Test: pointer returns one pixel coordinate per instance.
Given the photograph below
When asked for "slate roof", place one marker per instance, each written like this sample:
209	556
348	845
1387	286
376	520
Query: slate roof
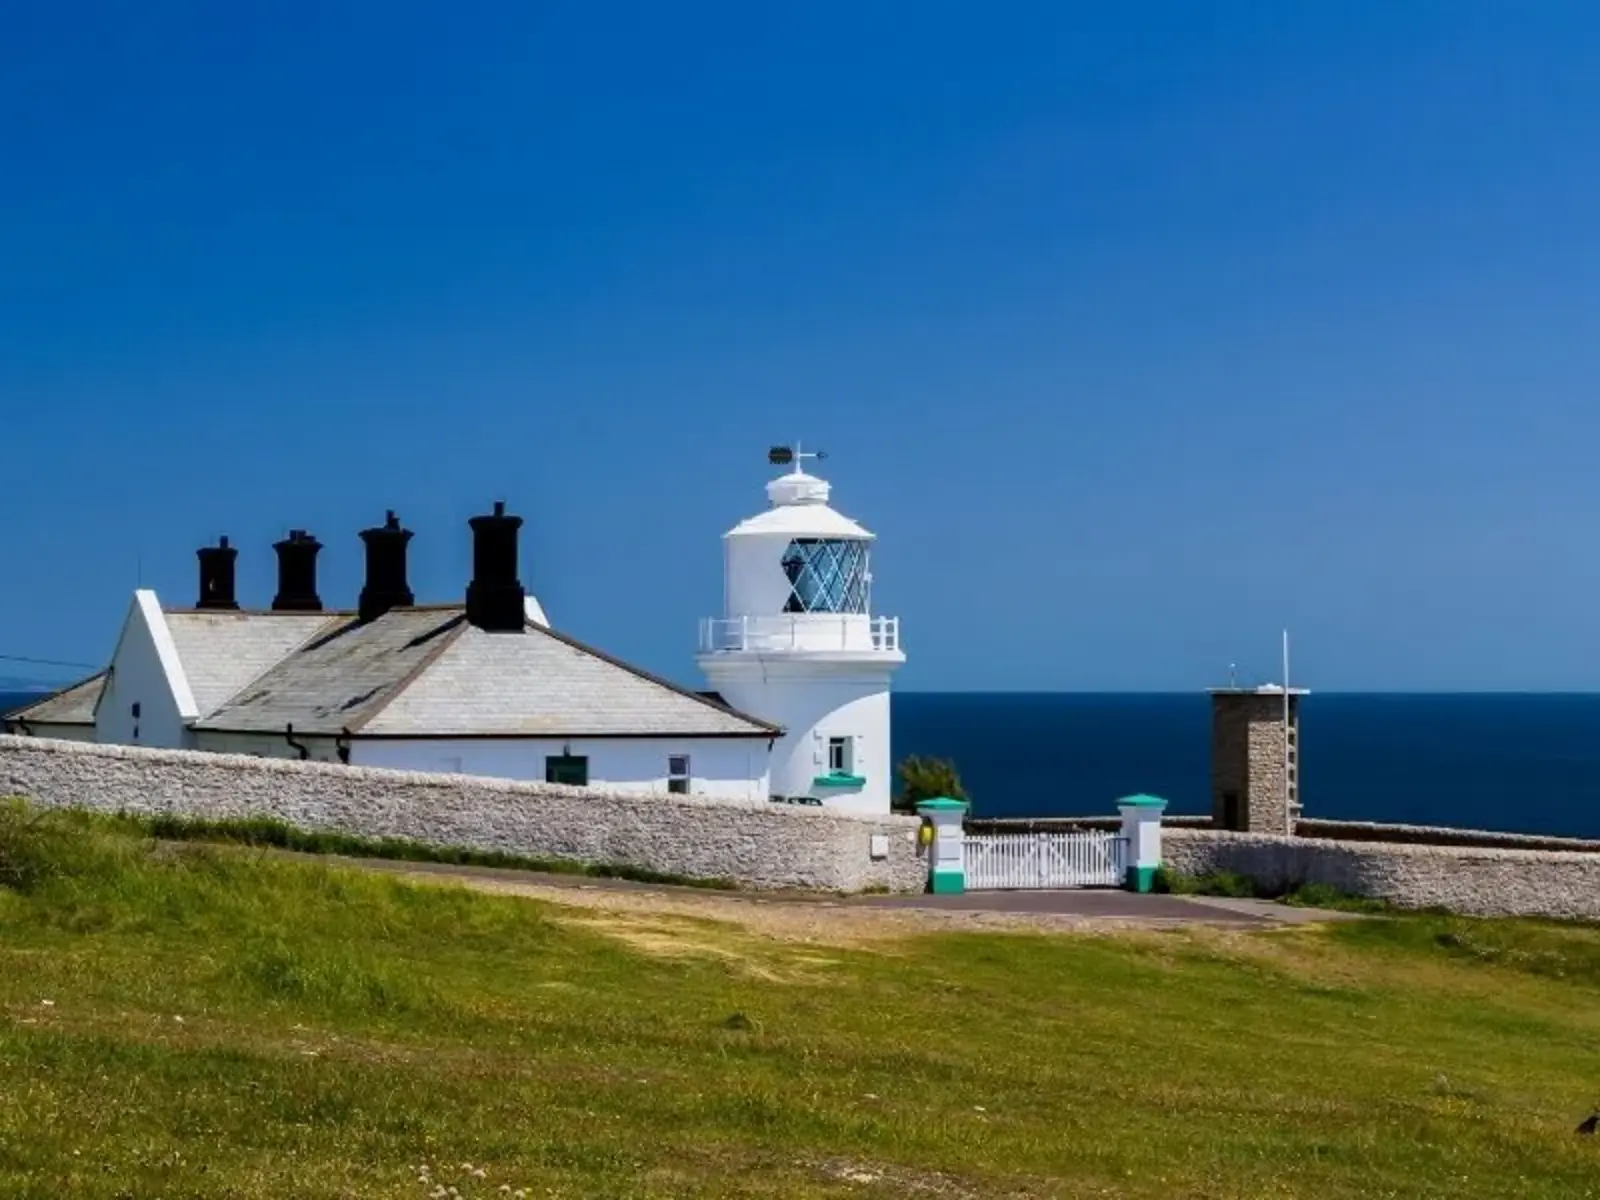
338	680
223	651
425	672
540	684
72	705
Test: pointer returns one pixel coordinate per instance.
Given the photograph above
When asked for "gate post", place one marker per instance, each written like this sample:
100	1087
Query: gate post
1141	826
947	874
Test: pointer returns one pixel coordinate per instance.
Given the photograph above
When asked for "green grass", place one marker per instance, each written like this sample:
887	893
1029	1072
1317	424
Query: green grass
228	1024
279	835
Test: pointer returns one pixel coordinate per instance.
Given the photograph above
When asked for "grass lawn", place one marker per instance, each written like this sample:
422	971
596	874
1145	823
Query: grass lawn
188	1021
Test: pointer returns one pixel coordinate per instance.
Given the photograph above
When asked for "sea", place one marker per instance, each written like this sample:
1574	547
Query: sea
1525	763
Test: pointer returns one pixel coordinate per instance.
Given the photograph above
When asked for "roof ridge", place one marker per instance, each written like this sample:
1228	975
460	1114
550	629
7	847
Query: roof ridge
444	639
651	677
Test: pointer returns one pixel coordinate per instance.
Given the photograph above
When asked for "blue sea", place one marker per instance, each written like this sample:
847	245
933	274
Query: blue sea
1524	763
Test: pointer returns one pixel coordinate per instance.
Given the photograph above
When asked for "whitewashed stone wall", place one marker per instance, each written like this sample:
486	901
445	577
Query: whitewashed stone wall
1473	880
1439	835
757	844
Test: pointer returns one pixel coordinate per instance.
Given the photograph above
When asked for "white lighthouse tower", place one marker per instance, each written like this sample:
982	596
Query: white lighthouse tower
797	643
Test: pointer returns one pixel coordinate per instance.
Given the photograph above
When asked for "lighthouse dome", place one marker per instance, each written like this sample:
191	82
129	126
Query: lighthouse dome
797	488
799	508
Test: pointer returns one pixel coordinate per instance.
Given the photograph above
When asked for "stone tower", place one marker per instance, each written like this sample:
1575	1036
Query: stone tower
1255	758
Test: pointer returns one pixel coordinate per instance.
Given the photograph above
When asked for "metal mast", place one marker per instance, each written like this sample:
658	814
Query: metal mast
1290	783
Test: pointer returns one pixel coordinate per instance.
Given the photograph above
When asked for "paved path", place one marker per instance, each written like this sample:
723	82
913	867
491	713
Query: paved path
1111	904
1081	904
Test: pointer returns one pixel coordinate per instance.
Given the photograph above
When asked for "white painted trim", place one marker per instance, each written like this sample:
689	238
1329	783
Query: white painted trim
167	651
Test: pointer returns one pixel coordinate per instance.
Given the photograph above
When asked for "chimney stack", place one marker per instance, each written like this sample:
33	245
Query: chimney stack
297	573
216	576
386	585
496	602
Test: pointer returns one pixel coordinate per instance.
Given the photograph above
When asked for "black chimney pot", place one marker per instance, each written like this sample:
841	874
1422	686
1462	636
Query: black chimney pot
216	576
297	573
386	585
495	598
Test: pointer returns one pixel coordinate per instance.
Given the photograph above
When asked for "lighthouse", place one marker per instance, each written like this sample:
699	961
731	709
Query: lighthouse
798	645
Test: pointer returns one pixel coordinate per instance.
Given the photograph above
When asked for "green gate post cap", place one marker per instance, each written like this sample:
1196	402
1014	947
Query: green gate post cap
1142	801
942	804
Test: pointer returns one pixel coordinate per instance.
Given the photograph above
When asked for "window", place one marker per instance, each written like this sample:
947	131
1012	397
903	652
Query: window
827	575
839	756
571	769
678	773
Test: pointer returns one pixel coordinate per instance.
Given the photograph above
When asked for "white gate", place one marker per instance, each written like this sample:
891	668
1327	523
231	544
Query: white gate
1088	858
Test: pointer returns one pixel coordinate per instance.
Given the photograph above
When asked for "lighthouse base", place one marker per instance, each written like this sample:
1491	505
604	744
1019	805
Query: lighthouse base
835	748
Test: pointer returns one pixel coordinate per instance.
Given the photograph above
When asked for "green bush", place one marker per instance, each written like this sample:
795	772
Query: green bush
1219	883
927	779
1320	895
1240	887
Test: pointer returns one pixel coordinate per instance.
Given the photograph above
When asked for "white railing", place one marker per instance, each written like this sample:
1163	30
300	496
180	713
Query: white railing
1090	858
851	632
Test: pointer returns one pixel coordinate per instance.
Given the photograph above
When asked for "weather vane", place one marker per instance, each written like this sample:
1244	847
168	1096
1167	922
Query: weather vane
782	456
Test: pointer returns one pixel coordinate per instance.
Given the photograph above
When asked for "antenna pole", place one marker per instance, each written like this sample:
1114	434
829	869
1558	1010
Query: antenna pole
1288	749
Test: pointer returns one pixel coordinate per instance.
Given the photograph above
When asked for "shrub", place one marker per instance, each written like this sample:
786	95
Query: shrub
927	779
1219	883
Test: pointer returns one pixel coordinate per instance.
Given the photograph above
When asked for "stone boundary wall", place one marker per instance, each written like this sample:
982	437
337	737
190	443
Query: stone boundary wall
1069	824
1438	835
1313	827
1473	880
758	845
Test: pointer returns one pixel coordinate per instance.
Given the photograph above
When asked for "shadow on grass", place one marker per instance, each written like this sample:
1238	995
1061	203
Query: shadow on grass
274	834
1565	950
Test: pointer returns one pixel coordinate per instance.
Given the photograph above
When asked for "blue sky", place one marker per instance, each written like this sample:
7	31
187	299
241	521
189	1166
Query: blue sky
1136	332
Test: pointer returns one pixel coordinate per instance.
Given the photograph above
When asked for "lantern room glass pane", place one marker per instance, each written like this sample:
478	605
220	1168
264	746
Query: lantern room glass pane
826	575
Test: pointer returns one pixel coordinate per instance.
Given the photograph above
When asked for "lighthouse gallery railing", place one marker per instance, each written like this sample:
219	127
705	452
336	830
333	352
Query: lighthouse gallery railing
849	632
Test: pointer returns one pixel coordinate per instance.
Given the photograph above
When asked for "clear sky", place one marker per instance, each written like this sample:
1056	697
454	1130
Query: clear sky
1136	331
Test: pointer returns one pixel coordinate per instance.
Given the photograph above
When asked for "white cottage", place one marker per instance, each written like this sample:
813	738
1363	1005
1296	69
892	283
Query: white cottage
483	687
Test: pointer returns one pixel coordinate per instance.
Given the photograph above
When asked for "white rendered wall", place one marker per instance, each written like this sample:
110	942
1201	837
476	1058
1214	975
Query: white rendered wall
47	729
265	745
142	672
728	768
814	702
